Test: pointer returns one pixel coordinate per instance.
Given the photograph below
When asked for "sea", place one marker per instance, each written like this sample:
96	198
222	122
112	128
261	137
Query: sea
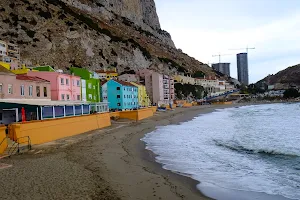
244	153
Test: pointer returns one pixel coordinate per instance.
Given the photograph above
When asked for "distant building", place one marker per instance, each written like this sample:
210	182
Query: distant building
143	97
9	52
222	67
181	78
64	87
90	85
22	86
107	74
242	67
129	78
160	88
120	95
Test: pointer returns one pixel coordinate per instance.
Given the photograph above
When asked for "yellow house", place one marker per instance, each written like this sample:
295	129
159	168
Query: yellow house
22	70
6	65
107	74
184	79
143	97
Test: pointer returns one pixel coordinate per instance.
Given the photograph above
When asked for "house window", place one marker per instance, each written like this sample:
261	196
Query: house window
78	97
68	97
0	87
45	91
78	83
95	97
38	93
124	96
10	89
22	90
30	90
119	104
118	88
124	89
67	81
73	81
90	86
90	96
62	96
62	81
94	87
118	96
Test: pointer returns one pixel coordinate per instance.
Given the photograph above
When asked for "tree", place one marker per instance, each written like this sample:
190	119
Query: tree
291	93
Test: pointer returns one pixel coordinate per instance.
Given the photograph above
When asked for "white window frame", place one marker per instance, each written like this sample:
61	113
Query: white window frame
1	87
67	81
68	97
78	83
30	91
10	89
22	90
62	81
63	96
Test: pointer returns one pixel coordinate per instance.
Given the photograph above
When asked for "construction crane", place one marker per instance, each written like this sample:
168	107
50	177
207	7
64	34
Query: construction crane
219	55
247	49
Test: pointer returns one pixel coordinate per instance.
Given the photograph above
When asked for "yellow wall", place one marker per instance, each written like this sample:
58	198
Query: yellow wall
187	105
145	113
223	103
154	109
22	71
137	114
3	141
143	97
53	129
114	114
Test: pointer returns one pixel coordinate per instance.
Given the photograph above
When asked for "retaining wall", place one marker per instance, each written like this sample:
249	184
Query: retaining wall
53	129
3	140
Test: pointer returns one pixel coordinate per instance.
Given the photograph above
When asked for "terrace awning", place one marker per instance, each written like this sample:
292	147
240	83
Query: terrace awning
40	102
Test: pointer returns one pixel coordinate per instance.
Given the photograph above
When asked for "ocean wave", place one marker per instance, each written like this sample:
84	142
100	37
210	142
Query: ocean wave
239	148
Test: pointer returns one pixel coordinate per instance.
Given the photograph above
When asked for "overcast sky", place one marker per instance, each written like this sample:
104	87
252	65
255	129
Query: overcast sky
202	28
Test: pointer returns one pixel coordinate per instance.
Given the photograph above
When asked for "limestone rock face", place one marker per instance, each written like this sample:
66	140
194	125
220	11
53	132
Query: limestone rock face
93	34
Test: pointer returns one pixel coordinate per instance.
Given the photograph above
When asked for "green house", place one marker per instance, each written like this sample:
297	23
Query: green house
46	68
90	85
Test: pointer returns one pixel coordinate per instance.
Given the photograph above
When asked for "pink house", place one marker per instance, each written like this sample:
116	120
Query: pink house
159	87
22	86
64	87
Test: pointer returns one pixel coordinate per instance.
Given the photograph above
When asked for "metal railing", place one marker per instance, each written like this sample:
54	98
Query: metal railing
16	145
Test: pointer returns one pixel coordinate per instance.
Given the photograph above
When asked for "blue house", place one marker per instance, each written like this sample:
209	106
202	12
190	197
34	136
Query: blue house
120	95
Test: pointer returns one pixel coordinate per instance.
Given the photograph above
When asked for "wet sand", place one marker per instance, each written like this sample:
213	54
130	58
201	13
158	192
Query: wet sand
109	164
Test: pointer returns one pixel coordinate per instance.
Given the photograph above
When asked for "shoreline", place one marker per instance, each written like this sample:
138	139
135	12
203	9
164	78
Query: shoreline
110	163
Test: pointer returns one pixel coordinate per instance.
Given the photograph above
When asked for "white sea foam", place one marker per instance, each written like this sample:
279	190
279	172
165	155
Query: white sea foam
252	148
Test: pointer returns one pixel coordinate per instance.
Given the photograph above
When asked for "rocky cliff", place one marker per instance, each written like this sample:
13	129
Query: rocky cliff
284	79
93	34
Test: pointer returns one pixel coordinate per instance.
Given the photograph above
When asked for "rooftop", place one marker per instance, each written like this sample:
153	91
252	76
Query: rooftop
6	71
30	78
103	71
124	83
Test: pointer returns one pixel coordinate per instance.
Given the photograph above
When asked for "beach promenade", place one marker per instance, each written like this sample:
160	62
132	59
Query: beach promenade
110	164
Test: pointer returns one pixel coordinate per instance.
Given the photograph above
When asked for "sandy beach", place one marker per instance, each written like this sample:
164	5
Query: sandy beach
106	164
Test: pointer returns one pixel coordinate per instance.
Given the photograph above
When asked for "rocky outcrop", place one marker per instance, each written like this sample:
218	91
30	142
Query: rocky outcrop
290	77
93	34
